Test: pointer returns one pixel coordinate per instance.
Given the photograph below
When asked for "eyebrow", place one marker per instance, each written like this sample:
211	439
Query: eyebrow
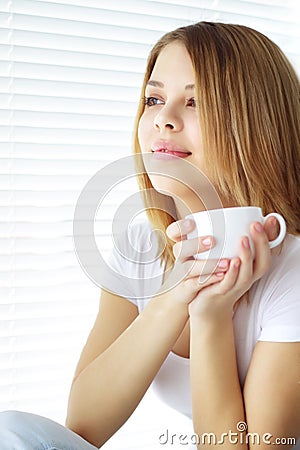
161	85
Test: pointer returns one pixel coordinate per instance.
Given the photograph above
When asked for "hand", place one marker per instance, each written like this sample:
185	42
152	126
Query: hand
218	300
189	276
271	228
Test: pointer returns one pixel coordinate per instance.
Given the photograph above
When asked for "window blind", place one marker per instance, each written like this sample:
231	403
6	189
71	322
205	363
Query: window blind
70	75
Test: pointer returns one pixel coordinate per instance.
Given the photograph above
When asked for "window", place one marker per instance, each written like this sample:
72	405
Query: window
69	83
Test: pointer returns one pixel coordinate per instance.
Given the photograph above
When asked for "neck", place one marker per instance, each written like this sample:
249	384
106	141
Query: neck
194	204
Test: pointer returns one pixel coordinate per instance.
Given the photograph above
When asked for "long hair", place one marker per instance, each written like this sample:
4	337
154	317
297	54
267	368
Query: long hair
248	102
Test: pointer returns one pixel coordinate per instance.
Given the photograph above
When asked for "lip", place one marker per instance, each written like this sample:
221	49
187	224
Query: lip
167	150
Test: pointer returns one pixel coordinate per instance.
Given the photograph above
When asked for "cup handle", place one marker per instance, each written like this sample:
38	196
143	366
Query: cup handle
282	231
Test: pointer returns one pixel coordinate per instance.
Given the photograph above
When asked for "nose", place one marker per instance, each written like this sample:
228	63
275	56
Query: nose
168	118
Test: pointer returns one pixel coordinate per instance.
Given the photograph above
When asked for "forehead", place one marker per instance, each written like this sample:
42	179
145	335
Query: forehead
173	62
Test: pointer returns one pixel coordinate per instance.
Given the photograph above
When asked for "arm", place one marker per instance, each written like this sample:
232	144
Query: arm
125	350
106	391
218	403
269	404
272	394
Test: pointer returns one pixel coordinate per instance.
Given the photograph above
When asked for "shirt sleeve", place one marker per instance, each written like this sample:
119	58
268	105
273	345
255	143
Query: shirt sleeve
281	309
122	268
118	276
134	270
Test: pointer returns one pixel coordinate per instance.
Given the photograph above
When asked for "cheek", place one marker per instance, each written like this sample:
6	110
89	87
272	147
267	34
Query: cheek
194	130
144	129
195	136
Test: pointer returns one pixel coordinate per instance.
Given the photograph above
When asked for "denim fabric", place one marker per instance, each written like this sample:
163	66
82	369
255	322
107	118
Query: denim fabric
24	431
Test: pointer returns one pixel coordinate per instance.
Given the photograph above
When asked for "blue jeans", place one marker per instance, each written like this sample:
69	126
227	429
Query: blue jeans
24	431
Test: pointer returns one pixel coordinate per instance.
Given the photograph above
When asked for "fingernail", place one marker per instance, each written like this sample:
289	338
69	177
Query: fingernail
186	224
237	263
206	241
245	243
258	227
223	263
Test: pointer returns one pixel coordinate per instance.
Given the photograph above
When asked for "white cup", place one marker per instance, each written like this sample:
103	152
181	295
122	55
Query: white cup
227	226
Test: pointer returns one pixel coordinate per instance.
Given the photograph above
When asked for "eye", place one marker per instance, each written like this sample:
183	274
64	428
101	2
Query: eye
152	101
191	102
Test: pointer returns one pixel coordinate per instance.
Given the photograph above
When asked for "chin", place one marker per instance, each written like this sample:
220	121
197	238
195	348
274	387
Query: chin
179	192
168	186
187	198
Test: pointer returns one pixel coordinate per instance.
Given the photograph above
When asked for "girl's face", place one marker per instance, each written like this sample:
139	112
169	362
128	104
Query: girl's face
169	125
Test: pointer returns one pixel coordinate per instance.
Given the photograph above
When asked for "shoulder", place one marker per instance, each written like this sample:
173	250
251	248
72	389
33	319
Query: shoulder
290	253
137	240
285	266
278	295
135	262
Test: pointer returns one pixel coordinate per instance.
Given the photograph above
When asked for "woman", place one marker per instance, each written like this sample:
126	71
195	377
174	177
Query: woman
222	100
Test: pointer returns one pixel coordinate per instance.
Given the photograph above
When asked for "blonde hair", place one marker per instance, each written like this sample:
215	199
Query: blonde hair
249	91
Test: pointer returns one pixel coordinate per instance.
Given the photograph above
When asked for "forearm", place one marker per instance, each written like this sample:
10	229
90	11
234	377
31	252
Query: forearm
216	395
109	389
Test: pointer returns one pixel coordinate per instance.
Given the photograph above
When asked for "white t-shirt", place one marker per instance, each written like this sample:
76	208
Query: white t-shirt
272	313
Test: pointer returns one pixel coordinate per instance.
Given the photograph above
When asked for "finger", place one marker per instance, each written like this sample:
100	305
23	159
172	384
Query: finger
230	277
178	230
195	284
207	280
260	240
272	228
185	249
245	276
199	267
